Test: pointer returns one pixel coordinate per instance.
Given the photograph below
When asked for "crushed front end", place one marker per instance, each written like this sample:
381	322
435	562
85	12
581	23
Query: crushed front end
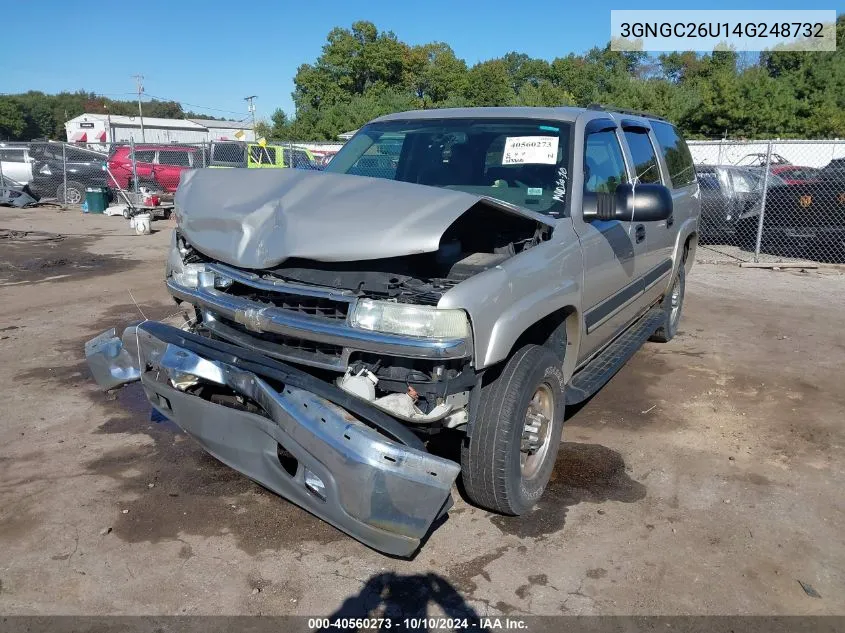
282	382
316	445
317	359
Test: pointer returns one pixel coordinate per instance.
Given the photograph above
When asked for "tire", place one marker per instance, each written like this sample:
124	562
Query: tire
493	473
746	233
672	317
74	194
126	213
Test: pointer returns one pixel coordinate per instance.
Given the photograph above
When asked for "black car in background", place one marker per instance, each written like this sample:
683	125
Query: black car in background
85	168
808	220
731	198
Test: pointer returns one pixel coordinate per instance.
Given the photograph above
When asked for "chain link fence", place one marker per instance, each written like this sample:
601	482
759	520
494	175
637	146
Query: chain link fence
772	201
62	173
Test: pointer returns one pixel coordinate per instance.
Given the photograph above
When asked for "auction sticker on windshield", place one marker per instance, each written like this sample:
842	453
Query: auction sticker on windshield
530	150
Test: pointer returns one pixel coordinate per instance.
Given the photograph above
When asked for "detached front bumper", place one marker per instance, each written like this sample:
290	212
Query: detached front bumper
380	491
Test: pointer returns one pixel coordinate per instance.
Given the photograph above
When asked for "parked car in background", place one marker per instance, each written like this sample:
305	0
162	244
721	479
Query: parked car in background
808	220
258	156
154	164
731	198
795	174
14	194
85	168
299	158
16	163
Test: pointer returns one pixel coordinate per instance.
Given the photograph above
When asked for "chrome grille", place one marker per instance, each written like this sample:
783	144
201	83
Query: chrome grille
322	307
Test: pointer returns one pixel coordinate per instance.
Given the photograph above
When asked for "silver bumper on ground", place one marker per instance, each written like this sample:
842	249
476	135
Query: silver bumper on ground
377	490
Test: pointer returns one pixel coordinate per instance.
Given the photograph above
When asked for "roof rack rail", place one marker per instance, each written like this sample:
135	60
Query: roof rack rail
608	108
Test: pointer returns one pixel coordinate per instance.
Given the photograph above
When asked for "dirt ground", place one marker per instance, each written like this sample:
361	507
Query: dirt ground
706	478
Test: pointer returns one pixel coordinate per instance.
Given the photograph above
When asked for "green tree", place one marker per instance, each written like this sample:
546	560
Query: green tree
12	121
544	94
577	76
488	84
434	74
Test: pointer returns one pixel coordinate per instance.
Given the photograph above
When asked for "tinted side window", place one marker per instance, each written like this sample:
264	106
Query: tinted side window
77	156
645	160
228	153
800	173
145	156
52	151
174	158
12	155
675	153
604	167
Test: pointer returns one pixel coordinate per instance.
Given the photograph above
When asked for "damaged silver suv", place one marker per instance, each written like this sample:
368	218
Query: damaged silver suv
462	272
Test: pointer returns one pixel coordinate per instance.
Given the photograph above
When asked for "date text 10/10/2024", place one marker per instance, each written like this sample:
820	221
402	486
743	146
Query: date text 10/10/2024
423	624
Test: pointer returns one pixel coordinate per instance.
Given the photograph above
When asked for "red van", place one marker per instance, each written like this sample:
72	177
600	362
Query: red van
160	164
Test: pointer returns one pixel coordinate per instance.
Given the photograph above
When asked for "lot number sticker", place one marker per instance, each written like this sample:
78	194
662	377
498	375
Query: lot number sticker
530	150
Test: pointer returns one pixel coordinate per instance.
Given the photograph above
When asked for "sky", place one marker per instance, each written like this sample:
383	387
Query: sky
210	55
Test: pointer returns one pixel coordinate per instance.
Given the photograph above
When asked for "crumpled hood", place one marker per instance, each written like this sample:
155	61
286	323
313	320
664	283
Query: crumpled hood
257	218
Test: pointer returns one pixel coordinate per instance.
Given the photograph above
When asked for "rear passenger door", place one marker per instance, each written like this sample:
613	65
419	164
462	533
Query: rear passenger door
171	164
144	164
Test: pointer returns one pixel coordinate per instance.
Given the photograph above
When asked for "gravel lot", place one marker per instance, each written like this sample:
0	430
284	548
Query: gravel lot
706	478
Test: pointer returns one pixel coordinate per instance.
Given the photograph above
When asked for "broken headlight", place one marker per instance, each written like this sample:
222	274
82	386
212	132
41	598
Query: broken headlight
189	276
411	320
196	275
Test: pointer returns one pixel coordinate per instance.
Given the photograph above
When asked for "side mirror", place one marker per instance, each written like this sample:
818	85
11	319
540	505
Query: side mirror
643	203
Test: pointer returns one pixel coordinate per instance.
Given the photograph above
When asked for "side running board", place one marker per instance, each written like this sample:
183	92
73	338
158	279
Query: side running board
602	368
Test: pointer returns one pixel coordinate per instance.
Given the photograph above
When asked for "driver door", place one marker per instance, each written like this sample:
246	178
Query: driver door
611	295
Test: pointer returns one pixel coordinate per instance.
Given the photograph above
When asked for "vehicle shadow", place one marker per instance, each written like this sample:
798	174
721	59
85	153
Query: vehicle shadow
583	473
405	600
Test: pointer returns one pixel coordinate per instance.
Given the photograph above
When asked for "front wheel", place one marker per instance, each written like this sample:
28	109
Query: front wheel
508	458
74	193
672	305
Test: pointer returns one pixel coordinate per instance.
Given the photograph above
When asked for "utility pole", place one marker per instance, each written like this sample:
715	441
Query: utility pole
139	82
251	108
108	117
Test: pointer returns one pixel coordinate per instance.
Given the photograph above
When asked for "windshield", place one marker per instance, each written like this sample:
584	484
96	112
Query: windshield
520	161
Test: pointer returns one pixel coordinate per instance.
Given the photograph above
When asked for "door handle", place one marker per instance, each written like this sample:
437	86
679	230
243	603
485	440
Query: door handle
639	232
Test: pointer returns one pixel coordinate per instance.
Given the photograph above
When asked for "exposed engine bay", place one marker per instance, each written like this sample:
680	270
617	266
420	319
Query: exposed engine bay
480	239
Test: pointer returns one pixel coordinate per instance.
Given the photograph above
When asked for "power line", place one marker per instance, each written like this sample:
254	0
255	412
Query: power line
194	105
